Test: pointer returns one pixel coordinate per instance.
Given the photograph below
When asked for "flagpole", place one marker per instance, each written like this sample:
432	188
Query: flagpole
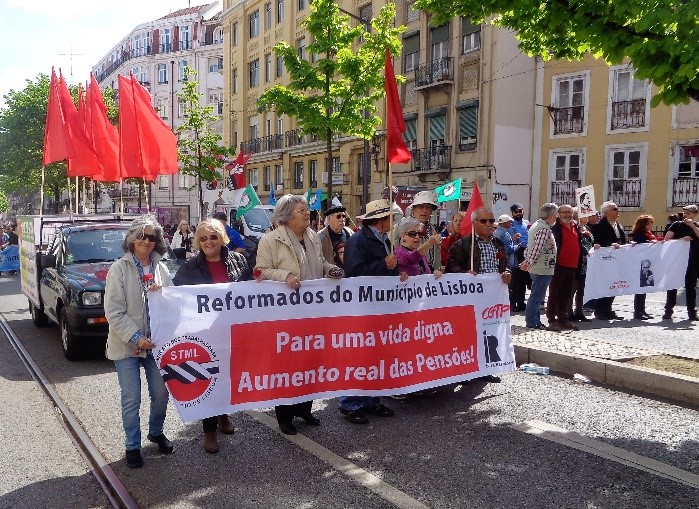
473	247
70	198
41	193
77	193
145	189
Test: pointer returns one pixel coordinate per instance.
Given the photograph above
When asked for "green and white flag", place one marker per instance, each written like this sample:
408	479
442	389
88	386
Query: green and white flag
450	191
248	201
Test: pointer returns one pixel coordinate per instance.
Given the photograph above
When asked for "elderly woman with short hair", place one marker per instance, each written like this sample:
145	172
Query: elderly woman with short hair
412	251
292	253
214	263
129	280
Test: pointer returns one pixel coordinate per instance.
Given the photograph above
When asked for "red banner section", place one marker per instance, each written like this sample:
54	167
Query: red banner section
295	358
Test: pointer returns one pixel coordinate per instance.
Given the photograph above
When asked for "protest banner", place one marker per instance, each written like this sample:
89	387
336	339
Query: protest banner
230	347
9	258
636	268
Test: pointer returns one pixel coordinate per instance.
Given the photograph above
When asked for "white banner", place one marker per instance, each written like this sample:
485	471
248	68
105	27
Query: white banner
230	347
639	268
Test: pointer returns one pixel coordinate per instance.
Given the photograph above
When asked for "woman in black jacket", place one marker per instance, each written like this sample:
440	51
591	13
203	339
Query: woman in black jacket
213	264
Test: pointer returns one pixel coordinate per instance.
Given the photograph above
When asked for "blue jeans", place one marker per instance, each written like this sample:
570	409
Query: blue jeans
353	403
129	376
539	286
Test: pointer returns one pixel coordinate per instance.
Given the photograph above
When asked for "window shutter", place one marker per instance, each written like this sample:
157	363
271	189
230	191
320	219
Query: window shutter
437	127
440	34
467	27
468	122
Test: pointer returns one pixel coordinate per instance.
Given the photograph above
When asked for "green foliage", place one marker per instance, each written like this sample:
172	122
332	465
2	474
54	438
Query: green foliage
661	37
4	203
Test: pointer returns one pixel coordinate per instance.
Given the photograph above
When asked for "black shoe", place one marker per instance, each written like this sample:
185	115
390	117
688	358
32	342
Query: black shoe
311	419
381	411
538	326
614	316
164	445
640	316
355	417
288	429
692	316
491	379
667	315
647	316
134	458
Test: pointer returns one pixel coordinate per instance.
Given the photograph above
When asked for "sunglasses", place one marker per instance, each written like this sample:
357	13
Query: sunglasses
483	221
413	235
210	237
340	216
148	237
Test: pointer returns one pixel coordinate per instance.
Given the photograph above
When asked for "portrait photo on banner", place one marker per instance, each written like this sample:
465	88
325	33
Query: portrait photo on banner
585	201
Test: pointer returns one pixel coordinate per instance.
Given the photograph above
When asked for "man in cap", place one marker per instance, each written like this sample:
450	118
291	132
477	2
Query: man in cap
424	204
502	233
335	231
519	231
368	253
686	229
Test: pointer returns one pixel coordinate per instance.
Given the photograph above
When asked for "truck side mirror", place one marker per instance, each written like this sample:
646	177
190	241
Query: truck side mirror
47	260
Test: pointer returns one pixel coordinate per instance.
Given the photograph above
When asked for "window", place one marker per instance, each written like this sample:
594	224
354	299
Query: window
165	41
411	51
183	180
278	174
216	100
413	14
181	108
280	125
301	48
215	64
163	181
365	15
280	67
267	176
181	74
253	177
139	46
337	167
626	164
234	81
626	169
254	129
566	169
470	36
302	4
410	134
280	11
184	37
468	125
313	170
268	67
298	175
255	73
268	15
218	36
234	31
688	161
440	42
569	105
628	102
437	126
254	24
161	106
162	73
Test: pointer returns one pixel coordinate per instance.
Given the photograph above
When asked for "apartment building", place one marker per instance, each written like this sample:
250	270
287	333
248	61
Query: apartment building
598	129
157	53
468	105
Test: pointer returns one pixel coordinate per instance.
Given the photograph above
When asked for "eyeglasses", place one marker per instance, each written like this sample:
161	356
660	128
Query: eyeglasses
490	220
340	216
210	237
148	237
413	235
301	211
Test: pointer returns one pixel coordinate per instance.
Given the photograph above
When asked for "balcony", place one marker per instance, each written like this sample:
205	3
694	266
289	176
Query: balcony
185	45
685	191
165	47
435	159
563	191
628	114
294	138
435	73
625	193
568	120
265	144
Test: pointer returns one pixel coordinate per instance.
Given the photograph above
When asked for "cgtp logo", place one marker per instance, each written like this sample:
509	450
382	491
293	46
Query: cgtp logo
189	368
496	311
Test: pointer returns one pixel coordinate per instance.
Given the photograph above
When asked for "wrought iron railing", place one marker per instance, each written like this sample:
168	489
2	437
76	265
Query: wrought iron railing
435	72
568	120
625	193
432	159
563	191
628	114
685	191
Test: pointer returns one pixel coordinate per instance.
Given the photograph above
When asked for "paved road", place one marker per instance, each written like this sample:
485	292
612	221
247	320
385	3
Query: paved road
455	449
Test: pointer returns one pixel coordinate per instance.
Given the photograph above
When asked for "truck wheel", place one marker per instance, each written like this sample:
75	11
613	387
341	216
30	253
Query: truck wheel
39	318
68	340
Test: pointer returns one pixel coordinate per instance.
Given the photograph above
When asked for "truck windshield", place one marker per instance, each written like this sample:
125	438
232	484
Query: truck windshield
259	220
96	245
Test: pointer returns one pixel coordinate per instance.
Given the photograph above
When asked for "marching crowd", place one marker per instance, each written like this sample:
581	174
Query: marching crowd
546	256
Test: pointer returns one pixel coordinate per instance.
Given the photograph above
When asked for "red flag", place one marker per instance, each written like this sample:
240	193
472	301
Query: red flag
104	135
395	125
236	171
148	146
84	162
57	145
475	203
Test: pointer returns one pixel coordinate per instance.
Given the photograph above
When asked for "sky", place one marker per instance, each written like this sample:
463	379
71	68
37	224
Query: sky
40	34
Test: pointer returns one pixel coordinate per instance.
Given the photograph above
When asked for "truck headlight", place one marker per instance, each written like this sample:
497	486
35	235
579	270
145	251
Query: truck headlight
92	298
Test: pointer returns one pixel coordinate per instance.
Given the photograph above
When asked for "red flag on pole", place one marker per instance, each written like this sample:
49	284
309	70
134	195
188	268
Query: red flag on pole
104	135
475	203
57	145
236	171
395	125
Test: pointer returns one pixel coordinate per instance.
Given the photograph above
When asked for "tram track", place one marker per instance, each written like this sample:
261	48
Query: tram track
111	485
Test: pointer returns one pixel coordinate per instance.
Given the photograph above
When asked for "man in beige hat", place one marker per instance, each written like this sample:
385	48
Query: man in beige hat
368	253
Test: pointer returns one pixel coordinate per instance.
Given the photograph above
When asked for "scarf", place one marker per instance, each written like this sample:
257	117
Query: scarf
309	258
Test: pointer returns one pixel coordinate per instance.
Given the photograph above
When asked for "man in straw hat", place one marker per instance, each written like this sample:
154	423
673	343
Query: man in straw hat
368	253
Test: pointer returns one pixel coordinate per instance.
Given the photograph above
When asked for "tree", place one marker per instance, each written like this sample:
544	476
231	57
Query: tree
660	37
199	145
4	203
338	91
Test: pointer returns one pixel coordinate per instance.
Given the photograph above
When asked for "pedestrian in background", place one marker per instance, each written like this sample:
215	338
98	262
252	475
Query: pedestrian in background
502	232
214	263
236	243
182	240
642	233
454	235
129	345
292	253
521	280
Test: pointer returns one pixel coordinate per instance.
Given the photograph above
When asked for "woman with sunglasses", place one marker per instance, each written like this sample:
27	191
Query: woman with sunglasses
128	282
413	248
214	263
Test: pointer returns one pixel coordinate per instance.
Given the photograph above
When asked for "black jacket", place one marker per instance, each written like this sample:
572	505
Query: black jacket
365	255
195	272
604	233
